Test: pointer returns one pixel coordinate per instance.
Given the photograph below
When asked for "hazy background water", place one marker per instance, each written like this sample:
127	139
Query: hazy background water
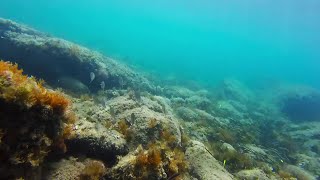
203	40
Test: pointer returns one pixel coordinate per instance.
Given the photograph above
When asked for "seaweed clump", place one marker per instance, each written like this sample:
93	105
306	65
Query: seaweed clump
33	122
159	158
233	160
124	128
93	170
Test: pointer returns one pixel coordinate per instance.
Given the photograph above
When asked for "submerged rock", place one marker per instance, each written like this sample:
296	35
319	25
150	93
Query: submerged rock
64	169
34	121
253	174
231	89
72	85
298	172
106	146
199	102
187	114
178	91
228	148
74	168
300	104
203	165
92	137
48	58
144	120
226	109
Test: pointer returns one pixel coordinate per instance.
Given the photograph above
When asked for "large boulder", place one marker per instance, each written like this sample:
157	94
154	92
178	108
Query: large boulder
145	119
203	165
91	135
51	58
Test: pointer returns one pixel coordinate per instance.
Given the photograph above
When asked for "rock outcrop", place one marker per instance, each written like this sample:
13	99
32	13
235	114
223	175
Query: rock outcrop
203	165
51	58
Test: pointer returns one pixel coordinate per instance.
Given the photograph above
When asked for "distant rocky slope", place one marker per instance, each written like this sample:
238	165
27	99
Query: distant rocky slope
127	129
62	63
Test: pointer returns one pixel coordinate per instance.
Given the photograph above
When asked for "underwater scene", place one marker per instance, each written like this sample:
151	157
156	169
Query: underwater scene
160	90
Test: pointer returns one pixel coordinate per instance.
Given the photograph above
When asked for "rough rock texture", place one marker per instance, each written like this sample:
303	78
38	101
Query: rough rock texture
231	89
50	58
309	163
92	138
298	172
123	168
34	121
145	117
187	114
178	91
253	174
307	134
225	108
203	164
105	145
74	169
64	169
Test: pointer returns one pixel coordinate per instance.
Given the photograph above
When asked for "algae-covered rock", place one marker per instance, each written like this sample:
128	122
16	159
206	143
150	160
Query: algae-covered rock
178	91
253	174
158	161
33	122
203	165
226	109
92	135
145	120
74	168
105	146
298	172
64	169
50	58
187	114
228	148
309	163
72	85
198	102
231	89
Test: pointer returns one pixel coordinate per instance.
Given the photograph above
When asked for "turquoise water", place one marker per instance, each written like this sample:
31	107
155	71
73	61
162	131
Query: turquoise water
198	40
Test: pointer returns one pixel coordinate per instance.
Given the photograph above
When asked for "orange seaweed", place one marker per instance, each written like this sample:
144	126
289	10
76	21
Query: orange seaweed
38	114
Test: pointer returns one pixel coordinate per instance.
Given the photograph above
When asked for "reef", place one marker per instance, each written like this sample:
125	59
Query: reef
130	128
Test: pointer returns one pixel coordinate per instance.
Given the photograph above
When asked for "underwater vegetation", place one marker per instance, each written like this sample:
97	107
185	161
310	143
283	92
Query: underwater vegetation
156	156
124	129
52	58
232	159
131	128
33	122
93	170
160	159
75	168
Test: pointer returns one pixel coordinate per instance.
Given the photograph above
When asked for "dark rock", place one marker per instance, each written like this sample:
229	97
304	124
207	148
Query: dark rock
97	148
301	105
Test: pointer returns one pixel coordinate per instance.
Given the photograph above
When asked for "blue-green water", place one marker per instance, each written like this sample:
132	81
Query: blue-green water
203	40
